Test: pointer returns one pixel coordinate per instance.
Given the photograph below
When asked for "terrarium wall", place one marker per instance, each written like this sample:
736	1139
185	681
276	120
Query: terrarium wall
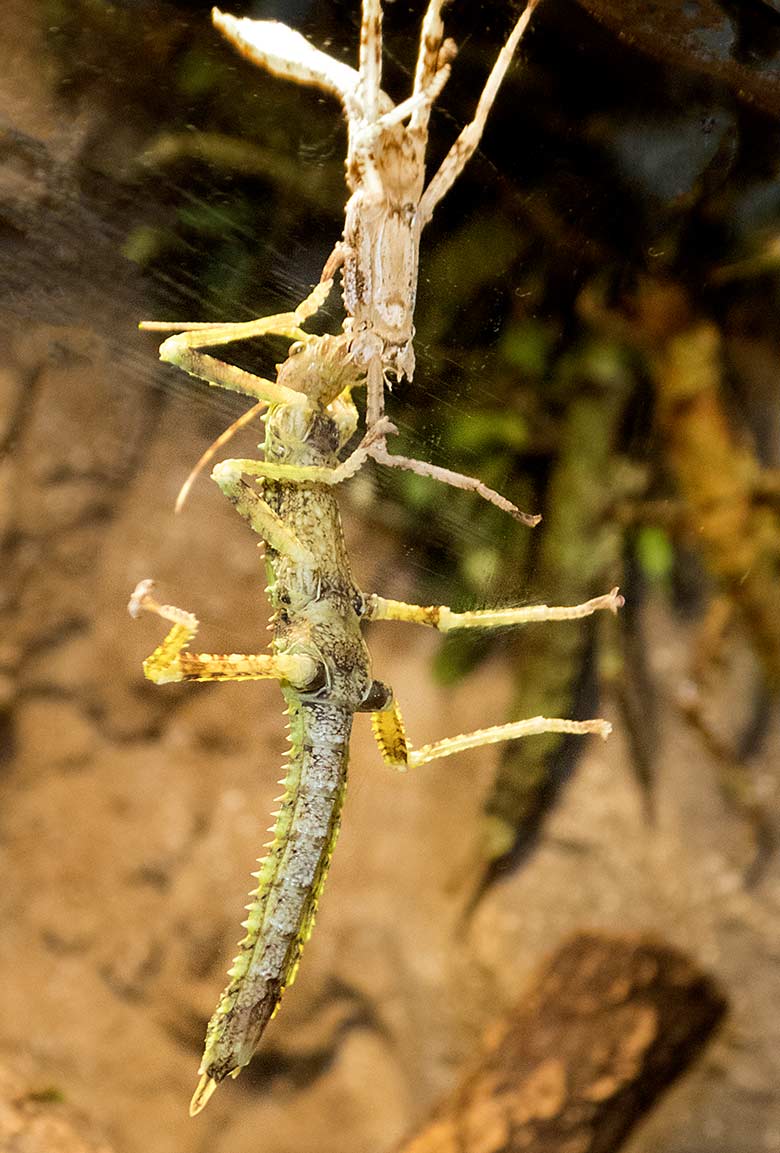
597	337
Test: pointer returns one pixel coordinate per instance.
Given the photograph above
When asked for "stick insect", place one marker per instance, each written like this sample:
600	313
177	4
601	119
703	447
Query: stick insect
318	654
390	203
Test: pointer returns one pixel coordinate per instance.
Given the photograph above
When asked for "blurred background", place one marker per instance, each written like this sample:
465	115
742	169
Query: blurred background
598	338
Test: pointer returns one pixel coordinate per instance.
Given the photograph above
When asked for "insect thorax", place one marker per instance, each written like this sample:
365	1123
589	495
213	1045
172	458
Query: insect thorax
316	604
316	611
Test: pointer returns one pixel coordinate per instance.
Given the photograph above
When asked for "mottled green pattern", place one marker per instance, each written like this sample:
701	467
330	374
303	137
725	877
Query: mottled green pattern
289	883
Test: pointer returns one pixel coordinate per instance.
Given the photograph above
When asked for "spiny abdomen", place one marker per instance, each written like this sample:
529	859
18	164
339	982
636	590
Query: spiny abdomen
289	883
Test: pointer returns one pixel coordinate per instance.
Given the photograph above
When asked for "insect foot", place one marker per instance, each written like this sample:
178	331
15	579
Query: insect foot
143	601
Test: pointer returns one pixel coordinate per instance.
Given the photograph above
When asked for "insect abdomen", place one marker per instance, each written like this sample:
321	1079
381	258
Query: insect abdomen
290	880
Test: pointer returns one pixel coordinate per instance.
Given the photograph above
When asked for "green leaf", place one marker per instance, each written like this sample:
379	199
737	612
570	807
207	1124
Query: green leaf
655	553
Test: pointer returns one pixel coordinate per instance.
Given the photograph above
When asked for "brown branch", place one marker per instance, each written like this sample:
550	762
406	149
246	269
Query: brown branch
606	1027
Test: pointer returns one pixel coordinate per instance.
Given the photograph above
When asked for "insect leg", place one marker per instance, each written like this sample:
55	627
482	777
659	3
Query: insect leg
444	619
431	37
284	52
419	104
219	332
170	663
265	522
466	143
390	735
456	479
307	473
370	59
182	349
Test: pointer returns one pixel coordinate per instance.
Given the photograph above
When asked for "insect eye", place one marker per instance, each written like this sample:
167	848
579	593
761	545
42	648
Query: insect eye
359	604
296	349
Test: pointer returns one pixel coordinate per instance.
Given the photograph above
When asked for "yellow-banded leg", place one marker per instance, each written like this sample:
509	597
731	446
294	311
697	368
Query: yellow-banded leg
228	471
442	617
388	725
170	663
390	734
182	349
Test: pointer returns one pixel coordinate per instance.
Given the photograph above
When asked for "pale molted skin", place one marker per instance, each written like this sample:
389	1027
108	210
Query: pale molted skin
391	202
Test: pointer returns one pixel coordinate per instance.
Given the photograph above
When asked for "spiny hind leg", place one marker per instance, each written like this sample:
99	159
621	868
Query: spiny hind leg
390	735
442	617
170	663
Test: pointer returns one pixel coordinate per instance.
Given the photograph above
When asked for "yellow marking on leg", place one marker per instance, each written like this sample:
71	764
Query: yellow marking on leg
445	620
170	664
297	668
183	348
390	735
305	473
265	522
206	333
508	732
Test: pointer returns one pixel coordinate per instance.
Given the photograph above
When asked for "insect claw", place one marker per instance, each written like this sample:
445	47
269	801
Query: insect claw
142	595
617	600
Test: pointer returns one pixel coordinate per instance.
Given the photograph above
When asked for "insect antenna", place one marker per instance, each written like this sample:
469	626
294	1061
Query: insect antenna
206	457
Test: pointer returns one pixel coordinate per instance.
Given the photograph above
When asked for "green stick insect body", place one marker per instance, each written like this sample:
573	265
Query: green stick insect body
317	653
